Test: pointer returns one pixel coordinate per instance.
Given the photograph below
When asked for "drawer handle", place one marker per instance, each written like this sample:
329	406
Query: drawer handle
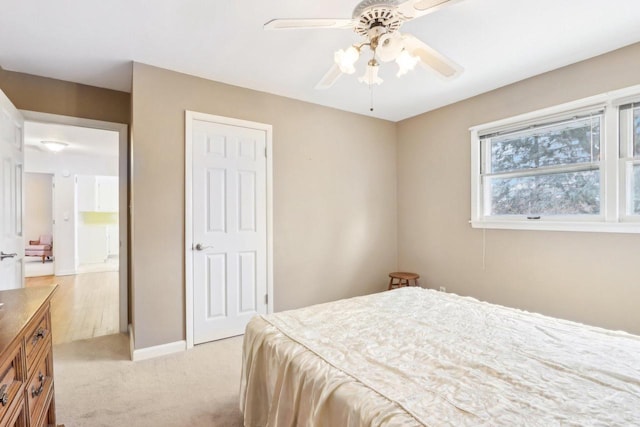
35	392
40	333
4	396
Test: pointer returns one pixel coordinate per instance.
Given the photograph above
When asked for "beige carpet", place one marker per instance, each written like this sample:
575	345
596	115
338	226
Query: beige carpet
97	385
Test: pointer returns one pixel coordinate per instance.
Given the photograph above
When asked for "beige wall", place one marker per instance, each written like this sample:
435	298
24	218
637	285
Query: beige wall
38	205
588	277
33	93
334	197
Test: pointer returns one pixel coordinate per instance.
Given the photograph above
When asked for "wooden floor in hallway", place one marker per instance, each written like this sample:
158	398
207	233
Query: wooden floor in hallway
85	305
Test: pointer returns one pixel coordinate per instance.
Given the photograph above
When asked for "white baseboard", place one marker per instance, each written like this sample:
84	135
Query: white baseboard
156	351
132	342
65	273
37	269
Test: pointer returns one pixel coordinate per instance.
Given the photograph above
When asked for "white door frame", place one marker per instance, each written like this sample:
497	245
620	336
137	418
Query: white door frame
190	116
123	156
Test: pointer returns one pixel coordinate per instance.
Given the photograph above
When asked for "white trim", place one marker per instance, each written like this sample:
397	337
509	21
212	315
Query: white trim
609	155
188	227
476	187
65	272
626	165
630	97
269	142
132	342
158	350
586	226
123	177
190	116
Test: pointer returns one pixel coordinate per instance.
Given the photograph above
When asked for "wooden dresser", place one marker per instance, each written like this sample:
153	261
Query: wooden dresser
26	358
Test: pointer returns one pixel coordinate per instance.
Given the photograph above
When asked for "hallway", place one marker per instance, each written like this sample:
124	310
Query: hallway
84	306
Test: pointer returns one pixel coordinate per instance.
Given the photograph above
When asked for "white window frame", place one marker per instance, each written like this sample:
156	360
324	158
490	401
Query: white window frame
612	216
627	161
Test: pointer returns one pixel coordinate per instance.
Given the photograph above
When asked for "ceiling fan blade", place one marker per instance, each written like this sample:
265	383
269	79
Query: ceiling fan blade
431	58
298	24
329	78
415	8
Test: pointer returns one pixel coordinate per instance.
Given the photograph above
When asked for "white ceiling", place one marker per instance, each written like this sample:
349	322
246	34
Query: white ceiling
79	140
497	42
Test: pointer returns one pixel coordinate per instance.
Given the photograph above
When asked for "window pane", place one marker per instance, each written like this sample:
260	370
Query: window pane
636	133
569	143
635	192
571	193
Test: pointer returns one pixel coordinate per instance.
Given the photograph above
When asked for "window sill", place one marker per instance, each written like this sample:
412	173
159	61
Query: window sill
598	227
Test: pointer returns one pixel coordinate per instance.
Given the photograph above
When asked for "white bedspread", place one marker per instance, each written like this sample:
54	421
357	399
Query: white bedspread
413	356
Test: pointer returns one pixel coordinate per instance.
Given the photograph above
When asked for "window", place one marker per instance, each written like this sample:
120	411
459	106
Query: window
551	169
630	156
558	168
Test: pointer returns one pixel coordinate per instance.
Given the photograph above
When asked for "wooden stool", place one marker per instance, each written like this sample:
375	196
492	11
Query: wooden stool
403	279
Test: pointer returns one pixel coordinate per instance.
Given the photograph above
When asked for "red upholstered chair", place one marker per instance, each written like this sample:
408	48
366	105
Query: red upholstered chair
43	247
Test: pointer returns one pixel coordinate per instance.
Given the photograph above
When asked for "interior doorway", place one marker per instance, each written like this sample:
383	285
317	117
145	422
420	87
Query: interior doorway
88	216
39	196
96	226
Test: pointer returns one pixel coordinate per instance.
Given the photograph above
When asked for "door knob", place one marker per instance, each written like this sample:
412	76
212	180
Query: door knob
201	247
3	255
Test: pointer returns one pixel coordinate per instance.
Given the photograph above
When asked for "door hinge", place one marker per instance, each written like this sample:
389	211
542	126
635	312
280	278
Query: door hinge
266	298
265	151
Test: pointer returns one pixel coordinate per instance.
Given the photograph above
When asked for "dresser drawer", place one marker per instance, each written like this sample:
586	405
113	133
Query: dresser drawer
10	384
38	388
26	358
17	418
36	339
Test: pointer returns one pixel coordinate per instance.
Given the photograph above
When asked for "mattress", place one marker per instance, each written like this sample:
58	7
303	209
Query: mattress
413	356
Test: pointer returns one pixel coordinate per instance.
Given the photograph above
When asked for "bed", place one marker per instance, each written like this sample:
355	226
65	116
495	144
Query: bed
413	357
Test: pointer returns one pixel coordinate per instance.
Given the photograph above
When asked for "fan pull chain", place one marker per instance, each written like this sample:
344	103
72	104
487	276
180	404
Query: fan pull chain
371	94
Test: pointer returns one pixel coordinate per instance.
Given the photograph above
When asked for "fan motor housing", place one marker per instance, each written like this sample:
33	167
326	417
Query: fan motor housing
376	13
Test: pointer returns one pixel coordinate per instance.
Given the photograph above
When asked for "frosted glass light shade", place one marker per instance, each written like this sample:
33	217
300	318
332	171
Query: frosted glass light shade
406	62
346	59
389	47
370	76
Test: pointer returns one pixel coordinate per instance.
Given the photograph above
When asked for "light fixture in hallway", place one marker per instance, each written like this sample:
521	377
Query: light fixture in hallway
54	146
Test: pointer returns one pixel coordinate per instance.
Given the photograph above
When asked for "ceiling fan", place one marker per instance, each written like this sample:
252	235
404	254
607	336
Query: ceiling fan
378	21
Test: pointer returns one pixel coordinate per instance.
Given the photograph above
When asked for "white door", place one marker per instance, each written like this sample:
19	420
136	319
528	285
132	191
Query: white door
229	223
11	178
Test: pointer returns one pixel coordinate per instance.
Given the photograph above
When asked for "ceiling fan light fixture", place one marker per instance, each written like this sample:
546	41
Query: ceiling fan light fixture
406	62
389	46
346	59
378	22
54	146
370	76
